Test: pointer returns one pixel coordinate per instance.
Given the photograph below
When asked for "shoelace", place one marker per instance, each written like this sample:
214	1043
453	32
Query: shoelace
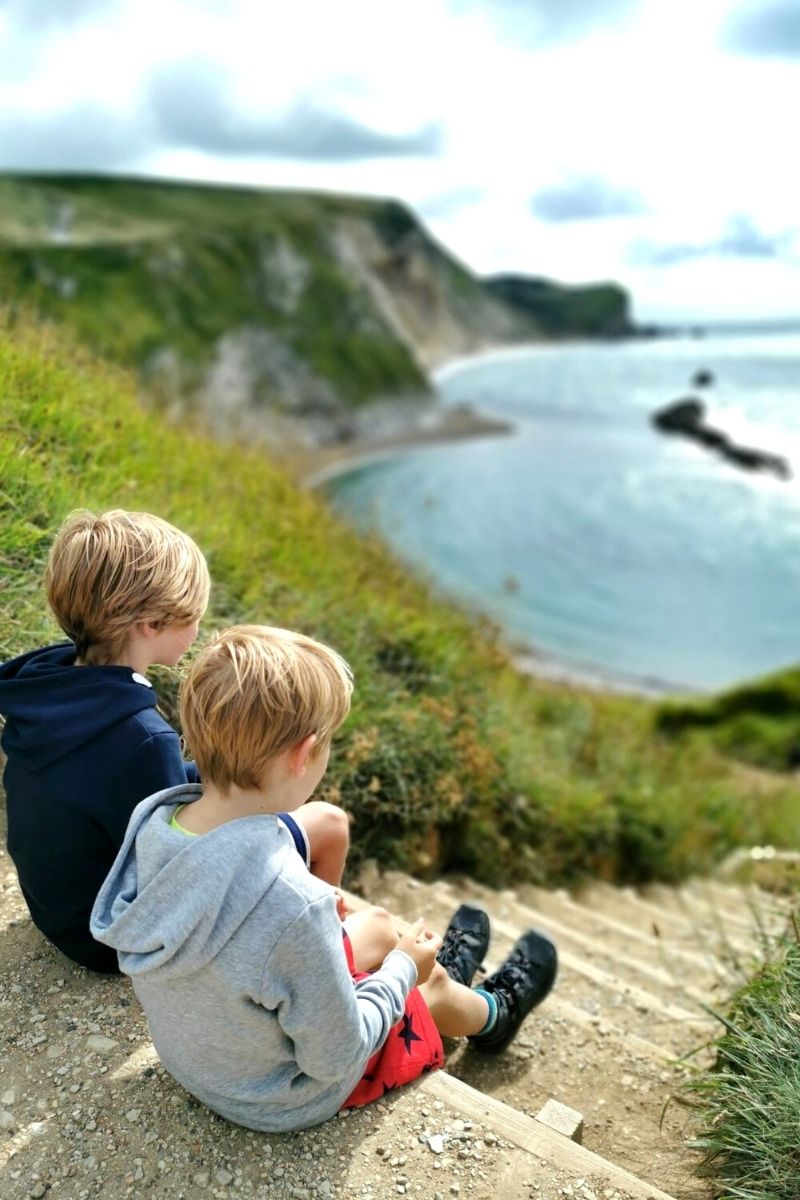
455	941
515	971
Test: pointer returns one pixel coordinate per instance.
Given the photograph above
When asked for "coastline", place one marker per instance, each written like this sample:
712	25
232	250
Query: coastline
318	467
500	353
314	468
551	669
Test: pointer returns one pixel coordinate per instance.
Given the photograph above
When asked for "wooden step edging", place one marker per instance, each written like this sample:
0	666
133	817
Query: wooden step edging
530	1135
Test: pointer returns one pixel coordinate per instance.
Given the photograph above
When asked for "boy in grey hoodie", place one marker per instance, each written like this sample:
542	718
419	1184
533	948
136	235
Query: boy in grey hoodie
254	989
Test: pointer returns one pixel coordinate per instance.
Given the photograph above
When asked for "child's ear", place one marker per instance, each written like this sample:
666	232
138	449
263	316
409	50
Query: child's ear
147	629
300	754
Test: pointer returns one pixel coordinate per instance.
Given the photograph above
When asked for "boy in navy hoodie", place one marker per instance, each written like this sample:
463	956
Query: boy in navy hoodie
83	737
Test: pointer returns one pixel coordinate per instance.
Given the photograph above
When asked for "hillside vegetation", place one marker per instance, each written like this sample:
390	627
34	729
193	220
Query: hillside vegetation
758	722
450	758
246	304
303	317
588	310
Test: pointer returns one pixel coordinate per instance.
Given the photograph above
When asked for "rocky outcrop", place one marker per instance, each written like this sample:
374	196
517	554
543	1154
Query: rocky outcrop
687	417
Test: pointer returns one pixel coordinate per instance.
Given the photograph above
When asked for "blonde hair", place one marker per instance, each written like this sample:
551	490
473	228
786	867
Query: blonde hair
108	571
254	692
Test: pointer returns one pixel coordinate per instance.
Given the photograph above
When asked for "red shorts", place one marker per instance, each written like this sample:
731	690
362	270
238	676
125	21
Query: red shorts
412	1048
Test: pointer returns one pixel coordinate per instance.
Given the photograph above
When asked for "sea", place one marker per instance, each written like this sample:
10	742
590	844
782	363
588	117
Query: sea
606	551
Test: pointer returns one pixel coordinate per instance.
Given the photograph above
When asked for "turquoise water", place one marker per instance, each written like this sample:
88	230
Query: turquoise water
588	536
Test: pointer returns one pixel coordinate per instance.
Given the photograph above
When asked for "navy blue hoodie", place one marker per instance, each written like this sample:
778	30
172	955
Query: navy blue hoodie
84	746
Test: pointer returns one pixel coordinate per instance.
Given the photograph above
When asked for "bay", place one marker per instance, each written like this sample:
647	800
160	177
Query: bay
609	549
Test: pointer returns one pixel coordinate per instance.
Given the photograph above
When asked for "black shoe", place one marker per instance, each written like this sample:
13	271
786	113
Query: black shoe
465	943
522	982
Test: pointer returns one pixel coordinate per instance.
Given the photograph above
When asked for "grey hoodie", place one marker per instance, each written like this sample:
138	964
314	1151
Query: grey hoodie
236	955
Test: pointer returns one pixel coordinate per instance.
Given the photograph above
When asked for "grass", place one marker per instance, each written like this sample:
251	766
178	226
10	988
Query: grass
451	759
750	1102
152	266
758	722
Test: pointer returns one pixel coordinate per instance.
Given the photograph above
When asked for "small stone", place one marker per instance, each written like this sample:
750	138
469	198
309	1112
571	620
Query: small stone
436	1143
133	1115
224	1177
8	1097
490	1138
37	1191
201	1179
100	1044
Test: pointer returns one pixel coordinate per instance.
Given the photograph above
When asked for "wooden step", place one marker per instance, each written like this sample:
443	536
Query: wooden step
537	1139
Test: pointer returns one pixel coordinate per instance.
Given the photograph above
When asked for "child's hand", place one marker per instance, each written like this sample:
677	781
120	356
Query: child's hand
341	907
421	945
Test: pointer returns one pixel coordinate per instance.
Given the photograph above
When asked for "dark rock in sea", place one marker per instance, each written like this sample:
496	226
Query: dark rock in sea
758	460
703	378
682	416
687	417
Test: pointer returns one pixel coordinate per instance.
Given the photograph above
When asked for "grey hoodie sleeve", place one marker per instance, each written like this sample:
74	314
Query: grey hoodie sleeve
334	1023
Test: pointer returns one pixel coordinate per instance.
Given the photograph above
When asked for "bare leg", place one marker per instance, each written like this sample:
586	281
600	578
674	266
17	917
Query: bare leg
457	1010
372	936
328	831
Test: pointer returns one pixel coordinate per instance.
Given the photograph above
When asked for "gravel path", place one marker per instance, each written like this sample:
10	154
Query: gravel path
86	1110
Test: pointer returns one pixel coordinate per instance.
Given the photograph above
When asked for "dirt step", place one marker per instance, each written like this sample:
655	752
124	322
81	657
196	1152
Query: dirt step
615	1001
606	946
618	977
674	957
748	932
600	1065
406	898
676	922
745	905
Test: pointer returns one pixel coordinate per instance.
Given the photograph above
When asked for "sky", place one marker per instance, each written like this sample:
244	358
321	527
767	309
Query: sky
645	141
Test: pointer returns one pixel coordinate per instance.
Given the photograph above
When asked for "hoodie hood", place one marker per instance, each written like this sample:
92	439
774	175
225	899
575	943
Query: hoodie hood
218	880
53	707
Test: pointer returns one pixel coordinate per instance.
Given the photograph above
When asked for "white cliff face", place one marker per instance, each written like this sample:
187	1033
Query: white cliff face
431	303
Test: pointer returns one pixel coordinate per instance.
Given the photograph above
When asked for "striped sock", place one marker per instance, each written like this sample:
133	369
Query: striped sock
492	1018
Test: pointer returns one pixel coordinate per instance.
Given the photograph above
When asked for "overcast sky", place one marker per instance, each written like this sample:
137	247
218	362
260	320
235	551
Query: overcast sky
649	141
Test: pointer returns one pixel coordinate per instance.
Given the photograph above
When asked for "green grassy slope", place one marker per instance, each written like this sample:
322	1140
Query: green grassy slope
134	267
450	759
758	722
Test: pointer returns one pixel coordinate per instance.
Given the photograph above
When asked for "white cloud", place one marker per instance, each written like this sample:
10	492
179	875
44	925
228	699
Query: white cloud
465	108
